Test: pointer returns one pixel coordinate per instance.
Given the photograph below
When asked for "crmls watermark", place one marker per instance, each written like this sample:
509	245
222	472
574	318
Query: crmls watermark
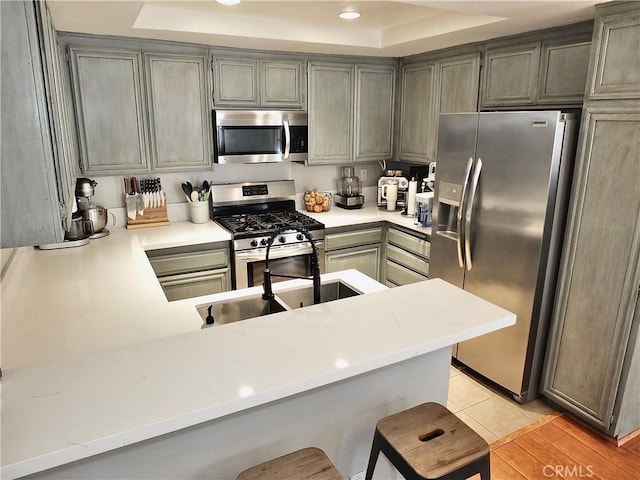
568	471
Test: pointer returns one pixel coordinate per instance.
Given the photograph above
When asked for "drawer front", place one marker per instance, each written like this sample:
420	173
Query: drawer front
179	287
351	239
408	260
409	242
399	275
190	262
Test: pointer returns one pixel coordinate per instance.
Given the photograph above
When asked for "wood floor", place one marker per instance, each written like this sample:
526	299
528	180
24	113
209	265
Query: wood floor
557	447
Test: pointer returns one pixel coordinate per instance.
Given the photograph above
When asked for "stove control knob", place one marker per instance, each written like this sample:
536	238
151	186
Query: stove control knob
263	242
282	239
254	243
299	237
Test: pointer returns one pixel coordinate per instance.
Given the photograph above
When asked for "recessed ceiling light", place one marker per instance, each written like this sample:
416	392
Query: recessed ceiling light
349	15
228	2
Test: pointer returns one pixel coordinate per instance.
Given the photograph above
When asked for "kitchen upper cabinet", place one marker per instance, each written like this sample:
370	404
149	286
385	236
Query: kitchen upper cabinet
331	94
617	61
283	84
510	75
253	82
549	72
591	367
179	112
459	81
37	169
110	110
563	71
447	85
235	82
374	112
417	113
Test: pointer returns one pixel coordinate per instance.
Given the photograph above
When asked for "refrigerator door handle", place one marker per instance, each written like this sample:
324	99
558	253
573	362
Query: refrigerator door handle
463	197
469	213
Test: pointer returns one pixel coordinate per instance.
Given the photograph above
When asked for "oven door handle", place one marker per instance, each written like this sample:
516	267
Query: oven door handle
278	252
287	140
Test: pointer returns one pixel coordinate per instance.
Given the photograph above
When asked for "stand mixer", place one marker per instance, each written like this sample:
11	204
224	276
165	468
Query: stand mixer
349	196
91	212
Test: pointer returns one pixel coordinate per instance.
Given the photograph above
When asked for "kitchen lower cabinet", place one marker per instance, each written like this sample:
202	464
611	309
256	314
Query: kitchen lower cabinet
179	111
356	248
407	258
38	160
592	364
192	271
110	110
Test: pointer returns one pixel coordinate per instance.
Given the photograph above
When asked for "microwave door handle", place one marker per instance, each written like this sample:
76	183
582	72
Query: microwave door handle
461	209
287	139
469	213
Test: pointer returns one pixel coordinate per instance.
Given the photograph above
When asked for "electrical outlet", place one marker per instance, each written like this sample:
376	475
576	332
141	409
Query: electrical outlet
363	178
359	475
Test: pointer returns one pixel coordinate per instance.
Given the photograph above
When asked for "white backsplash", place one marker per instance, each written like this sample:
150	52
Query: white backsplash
110	190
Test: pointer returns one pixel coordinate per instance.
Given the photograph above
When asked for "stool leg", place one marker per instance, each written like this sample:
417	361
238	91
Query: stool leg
373	456
485	468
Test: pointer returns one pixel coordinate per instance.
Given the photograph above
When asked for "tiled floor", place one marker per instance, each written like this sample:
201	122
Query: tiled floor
489	412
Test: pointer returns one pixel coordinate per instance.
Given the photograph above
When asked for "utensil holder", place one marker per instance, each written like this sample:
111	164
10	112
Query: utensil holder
199	211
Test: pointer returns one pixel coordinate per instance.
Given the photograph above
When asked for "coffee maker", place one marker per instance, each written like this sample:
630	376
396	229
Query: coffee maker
393	176
348	195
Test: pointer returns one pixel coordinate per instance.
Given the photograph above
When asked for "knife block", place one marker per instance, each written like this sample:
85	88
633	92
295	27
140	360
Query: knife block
153	217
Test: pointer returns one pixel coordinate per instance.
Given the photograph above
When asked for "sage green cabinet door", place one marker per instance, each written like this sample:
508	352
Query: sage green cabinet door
282	84
563	72
110	110
235	82
374	112
365	259
417	113
179	114
459	81
330	113
600	272
617	60
510	76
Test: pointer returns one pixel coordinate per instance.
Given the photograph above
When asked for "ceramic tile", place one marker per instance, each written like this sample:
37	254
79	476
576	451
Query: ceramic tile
499	415
453	407
453	371
477	427
465	391
536	409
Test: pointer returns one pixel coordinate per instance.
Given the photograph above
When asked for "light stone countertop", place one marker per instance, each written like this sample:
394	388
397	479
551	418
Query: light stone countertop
89	343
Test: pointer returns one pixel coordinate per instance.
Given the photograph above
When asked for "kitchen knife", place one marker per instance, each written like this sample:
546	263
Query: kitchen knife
130	200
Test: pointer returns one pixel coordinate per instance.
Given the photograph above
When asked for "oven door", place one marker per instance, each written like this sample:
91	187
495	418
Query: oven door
294	260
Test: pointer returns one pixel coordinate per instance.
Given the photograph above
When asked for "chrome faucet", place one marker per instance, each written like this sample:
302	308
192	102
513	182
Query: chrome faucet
315	266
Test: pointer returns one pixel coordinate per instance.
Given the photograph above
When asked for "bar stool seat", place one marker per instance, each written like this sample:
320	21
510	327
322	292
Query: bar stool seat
429	442
308	463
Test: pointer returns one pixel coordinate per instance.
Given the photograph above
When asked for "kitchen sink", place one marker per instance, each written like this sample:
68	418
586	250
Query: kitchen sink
240	309
303	296
233	310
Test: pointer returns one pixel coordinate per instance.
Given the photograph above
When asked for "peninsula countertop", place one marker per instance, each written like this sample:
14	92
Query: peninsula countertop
95	357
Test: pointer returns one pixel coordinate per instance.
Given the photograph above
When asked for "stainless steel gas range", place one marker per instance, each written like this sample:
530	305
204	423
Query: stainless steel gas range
253	212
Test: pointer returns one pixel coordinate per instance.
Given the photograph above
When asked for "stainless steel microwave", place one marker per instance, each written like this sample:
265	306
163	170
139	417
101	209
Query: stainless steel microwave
259	136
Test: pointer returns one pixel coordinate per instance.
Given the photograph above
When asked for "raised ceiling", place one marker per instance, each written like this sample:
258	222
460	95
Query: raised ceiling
390	28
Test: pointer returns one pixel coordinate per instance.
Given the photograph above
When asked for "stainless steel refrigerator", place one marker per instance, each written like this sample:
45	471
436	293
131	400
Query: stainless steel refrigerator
501	194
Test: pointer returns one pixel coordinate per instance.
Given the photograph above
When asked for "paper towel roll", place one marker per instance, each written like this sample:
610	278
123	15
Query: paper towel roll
411	197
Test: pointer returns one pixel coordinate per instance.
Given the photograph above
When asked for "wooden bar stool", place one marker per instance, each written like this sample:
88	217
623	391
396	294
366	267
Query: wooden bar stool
308	463
429	442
